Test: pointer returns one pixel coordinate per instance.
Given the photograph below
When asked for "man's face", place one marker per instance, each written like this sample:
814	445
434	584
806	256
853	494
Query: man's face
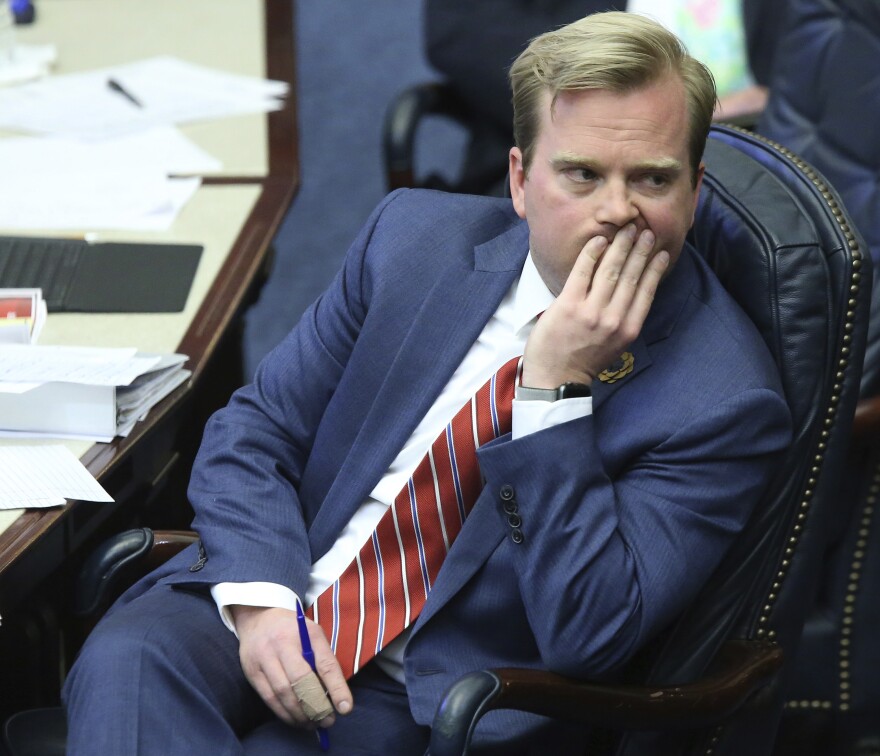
603	160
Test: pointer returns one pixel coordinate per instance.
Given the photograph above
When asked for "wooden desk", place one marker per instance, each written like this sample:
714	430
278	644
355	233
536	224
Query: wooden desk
235	215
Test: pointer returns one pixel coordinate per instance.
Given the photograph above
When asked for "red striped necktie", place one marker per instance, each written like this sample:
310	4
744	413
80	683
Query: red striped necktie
384	588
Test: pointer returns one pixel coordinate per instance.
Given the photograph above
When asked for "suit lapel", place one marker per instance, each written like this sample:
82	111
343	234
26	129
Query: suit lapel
449	321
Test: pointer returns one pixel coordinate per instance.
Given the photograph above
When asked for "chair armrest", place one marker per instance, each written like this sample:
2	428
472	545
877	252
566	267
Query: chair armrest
740	669
166	544
866	421
402	119
129	554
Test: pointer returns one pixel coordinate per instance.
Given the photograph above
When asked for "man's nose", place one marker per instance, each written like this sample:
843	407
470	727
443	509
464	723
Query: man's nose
616	205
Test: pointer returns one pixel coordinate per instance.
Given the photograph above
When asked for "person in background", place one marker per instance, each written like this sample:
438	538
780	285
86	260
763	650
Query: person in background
473	44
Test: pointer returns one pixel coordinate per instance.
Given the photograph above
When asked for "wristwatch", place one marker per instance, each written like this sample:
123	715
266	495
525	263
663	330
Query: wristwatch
565	391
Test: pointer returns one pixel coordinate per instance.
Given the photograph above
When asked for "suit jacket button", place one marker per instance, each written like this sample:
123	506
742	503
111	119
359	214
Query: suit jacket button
203	557
514	520
507	493
510	506
516	535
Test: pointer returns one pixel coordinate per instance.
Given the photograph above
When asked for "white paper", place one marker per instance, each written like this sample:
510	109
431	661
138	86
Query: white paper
163	149
169	91
135	407
44	476
89	365
60	183
27	62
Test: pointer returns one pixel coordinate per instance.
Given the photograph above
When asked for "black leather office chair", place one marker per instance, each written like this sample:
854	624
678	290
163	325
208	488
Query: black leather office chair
114	565
404	117
714	682
825	105
778	238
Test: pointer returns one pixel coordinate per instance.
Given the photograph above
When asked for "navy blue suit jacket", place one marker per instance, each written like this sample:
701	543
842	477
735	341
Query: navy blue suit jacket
624	513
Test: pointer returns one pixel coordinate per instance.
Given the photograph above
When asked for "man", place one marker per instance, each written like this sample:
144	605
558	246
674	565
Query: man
600	515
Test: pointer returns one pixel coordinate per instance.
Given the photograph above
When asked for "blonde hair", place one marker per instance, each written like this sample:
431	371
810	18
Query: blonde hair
613	51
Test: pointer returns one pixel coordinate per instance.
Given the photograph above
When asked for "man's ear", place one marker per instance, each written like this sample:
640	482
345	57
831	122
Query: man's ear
517	181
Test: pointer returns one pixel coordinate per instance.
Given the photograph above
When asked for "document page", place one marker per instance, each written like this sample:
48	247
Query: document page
91	365
44	476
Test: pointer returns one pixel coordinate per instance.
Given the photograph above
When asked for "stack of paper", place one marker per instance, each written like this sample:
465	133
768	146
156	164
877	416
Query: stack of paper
79	392
115	159
22	315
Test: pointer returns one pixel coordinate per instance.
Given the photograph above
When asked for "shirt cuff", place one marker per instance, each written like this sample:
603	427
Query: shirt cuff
251	594
532	416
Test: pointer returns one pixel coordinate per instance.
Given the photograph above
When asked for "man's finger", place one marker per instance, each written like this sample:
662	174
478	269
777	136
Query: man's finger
279	697
328	669
315	704
580	278
633	269
611	265
647	288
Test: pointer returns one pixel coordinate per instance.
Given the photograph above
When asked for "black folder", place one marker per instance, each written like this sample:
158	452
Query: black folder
80	276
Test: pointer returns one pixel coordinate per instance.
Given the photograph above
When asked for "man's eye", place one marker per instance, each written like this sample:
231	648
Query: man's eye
656	180
580	175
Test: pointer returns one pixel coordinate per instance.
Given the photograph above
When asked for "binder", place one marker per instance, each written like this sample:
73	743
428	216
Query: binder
89	410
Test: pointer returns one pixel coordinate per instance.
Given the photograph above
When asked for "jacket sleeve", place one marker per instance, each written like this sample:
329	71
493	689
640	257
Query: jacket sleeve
244	485
605	563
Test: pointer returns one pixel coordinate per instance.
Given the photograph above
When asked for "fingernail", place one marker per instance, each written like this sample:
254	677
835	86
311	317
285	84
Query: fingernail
344	707
647	237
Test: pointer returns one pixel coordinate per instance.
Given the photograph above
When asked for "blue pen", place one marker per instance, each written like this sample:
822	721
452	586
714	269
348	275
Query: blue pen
309	656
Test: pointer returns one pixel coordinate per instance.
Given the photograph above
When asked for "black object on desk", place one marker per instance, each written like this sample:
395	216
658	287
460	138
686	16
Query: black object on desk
78	276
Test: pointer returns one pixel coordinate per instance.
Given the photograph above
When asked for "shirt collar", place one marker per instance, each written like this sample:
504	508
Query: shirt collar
532	296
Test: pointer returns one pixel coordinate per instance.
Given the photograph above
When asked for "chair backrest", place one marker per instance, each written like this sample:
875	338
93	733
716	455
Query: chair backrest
825	105
779	240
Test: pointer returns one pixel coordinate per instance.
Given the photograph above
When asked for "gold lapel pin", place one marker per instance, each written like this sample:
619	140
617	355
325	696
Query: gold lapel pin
621	367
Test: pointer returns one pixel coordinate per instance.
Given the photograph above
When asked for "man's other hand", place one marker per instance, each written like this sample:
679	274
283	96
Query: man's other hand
271	657
598	313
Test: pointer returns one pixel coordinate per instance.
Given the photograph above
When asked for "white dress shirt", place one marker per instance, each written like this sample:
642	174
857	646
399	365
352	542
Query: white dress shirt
503	337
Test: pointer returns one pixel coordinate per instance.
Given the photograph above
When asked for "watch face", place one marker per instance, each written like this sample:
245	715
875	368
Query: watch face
574	390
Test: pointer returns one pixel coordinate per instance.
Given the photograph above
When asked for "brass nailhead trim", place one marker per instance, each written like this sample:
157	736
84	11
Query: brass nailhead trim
713	741
855	572
763	631
808	705
843	363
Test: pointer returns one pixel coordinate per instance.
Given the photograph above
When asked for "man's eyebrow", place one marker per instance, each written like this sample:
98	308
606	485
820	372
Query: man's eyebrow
660	164
567	159
573	160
